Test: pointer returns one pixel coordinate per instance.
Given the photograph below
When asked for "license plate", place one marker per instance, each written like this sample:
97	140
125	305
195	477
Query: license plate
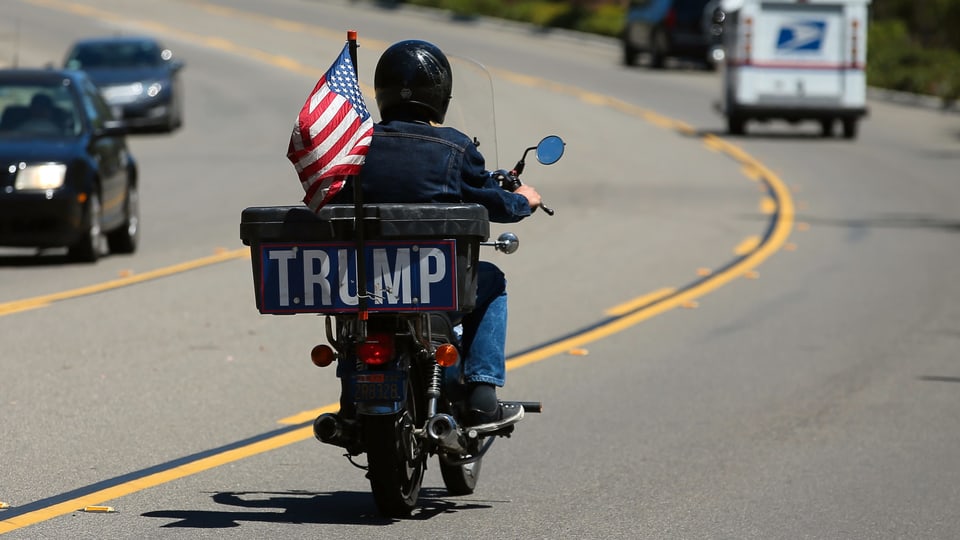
379	386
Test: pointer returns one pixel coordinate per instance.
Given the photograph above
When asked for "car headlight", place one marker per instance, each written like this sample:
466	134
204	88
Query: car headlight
40	177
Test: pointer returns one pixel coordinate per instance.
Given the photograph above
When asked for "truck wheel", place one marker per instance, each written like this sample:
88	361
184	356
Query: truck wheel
658	50
826	127
736	125
849	128
629	54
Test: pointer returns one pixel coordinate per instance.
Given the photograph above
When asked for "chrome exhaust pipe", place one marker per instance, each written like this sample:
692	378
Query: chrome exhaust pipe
443	429
329	428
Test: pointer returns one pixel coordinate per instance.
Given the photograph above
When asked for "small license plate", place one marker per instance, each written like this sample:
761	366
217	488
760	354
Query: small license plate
379	386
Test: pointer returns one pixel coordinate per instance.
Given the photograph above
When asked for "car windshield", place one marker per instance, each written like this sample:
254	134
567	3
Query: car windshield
115	55
32	110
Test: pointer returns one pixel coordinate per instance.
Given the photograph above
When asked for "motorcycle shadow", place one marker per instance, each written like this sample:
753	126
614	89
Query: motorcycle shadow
300	507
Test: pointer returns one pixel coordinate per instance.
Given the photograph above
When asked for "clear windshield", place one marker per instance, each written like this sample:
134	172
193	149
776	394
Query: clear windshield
471	108
28	111
116	55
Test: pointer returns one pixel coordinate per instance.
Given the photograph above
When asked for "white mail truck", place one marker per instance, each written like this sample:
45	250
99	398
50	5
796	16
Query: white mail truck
794	60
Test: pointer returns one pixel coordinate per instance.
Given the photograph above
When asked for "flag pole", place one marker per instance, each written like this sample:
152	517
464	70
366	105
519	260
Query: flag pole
358	221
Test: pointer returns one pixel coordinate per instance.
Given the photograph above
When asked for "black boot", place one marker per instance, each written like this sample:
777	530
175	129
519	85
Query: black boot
482	404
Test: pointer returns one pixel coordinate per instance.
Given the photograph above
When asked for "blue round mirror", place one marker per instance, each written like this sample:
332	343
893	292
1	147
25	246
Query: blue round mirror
550	150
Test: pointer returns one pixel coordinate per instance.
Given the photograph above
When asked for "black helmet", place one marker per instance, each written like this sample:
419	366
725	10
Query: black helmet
413	79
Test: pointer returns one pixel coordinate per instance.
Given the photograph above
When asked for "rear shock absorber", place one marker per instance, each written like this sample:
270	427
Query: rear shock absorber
433	389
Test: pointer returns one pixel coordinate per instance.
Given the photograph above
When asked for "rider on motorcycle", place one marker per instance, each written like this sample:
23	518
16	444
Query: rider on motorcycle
413	159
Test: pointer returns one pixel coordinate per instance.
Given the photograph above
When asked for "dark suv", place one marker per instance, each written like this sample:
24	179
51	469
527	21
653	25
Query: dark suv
672	28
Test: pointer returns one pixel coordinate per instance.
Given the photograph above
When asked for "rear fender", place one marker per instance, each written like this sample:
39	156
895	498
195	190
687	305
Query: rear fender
379	409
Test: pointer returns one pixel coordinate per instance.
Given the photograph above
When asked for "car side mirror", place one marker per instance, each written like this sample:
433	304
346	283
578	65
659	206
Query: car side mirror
112	128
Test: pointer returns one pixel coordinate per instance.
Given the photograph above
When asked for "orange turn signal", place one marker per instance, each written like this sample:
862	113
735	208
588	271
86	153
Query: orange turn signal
322	355
447	355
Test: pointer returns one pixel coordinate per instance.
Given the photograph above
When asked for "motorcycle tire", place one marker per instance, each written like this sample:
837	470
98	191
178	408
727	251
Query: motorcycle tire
460	479
396	460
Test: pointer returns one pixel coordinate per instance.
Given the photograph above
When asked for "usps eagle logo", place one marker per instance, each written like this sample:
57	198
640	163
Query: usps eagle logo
801	36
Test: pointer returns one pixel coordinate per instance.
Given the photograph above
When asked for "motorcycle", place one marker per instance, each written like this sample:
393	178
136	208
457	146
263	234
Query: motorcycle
391	326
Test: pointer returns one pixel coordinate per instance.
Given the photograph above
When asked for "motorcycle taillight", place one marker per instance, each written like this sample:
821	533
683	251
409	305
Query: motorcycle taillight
376	350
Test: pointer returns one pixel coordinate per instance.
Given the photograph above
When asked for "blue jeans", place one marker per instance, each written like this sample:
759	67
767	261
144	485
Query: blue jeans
485	330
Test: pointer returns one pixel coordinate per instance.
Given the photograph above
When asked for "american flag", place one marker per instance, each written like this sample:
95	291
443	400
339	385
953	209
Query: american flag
332	133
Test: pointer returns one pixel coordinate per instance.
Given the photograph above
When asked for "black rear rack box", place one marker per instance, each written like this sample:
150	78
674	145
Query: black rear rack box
460	226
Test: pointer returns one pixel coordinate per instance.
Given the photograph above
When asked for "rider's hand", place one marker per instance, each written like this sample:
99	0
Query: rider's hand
533	198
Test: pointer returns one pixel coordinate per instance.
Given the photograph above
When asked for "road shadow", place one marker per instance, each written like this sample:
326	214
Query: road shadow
939	378
302	507
34	259
793	134
888	221
671	65
38	257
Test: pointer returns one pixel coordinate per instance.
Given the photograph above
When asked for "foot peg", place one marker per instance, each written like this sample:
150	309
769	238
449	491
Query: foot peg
512	412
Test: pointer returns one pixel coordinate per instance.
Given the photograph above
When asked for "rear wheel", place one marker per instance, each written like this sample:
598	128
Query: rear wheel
658	50
629	54
396	459
826	127
849	128
460	479
736	125
125	239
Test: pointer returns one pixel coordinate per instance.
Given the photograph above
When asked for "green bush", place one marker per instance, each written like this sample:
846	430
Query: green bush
897	62
606	19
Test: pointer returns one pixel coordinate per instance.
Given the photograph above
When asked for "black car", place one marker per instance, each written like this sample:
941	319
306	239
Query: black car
137	75
672	28
67	177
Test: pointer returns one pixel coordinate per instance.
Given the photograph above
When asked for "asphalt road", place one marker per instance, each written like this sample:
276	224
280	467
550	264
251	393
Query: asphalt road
797	377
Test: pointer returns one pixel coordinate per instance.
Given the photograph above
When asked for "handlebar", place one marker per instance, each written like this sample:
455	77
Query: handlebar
510	181
548	151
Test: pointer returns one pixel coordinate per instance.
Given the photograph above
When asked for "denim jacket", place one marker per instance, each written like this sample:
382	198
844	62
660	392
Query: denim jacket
414	162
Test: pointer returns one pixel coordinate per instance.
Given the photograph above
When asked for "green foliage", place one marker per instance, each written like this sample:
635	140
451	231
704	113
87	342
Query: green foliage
932	23
462	7
606	20
898	61
594	17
